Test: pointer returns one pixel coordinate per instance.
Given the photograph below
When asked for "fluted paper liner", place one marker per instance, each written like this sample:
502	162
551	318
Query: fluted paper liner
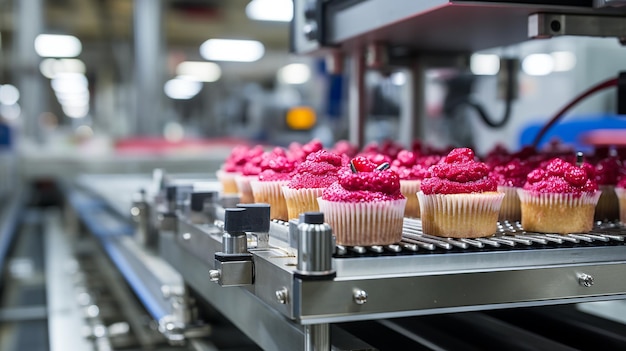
460	215
557	213
364	223
227	179
271	192
621	197
511	209
301	200
244	188
409	189
608	205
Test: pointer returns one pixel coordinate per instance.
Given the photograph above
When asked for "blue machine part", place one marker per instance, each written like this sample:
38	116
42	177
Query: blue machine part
569	131
8	229
149	301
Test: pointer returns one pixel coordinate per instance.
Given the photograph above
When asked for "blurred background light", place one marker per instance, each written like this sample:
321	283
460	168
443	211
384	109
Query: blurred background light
398	78
295	73
538	64
270	10
201	71
301	118
563	61
9	94
181	88
485	64
232	50
54	45
50	67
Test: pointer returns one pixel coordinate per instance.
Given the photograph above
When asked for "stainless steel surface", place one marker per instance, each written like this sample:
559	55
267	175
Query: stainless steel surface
608	3
317	337
65	317
452	26
545	25
233	273
356	97
331	302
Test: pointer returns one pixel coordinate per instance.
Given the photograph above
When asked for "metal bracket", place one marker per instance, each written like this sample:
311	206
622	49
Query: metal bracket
546	25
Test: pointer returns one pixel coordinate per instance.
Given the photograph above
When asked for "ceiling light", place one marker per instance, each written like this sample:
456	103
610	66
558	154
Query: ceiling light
538	64
53	45
69	83
182	89
295	73
9	94
232	50
200	71
398	78
484	64
75	111
563	61
50	67
270	10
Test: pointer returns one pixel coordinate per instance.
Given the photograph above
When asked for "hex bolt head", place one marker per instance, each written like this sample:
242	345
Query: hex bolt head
585	280
282	295
214	275
359	296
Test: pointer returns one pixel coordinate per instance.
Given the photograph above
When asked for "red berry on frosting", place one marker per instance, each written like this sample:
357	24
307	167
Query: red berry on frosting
363	164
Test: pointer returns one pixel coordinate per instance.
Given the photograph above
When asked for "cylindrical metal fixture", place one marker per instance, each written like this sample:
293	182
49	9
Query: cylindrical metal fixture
234	244
317	337
315	245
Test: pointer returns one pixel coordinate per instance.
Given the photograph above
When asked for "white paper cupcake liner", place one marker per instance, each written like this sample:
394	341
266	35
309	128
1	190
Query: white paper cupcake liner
460	215
364	223
245	190
621	197
608	205
301	200
511	209
227	179
271	192
409	189
557	213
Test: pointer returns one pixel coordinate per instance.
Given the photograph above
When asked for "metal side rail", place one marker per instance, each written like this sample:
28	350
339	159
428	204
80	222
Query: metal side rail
9	218
156	284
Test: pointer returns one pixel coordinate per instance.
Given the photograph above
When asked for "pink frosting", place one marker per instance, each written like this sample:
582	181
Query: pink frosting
276	165
561	177
513	173
410	166
319	170
366	185
608	170
458	173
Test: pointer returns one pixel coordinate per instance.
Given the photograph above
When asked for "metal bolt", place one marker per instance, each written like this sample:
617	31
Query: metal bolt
186	236
310	31
585	280
214	275
135	211
282	295
359	296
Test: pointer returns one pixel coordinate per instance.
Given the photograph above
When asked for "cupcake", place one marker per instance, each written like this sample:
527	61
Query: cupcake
249	171
268	187
411	171
620	191
459	199
309	180
559	198
364	206
231	168
607	171
511	176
